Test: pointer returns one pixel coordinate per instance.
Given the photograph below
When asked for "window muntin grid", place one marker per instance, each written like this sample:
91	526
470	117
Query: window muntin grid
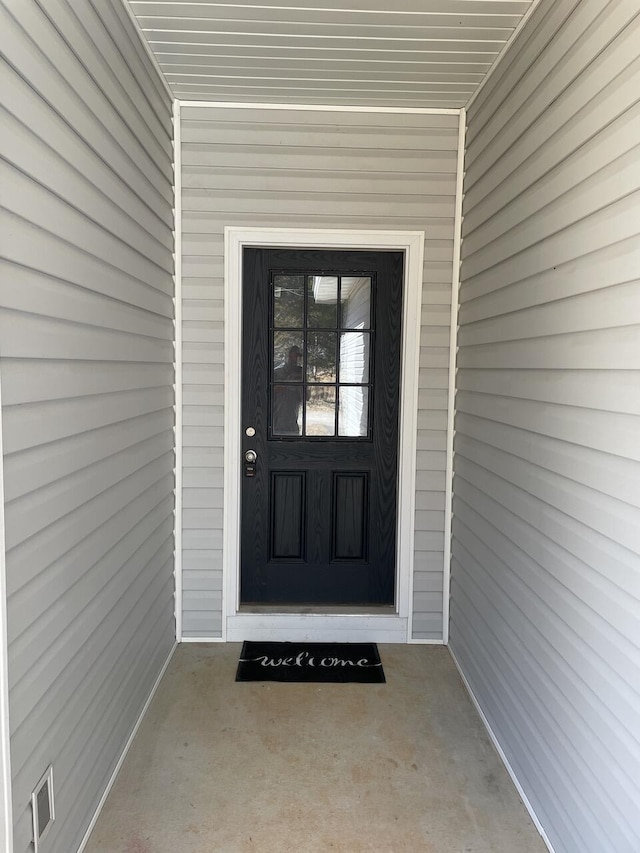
321	345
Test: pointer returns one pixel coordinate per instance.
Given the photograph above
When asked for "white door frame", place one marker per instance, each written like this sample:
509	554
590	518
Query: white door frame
344	627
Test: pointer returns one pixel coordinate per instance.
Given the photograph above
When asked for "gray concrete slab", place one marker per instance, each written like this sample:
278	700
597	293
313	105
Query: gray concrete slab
220	767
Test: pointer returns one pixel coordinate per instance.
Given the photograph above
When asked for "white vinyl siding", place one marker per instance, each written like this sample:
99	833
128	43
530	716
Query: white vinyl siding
546	544
86	325
252	167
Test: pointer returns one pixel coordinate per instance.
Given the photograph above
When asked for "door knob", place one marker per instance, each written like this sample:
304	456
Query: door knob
250	463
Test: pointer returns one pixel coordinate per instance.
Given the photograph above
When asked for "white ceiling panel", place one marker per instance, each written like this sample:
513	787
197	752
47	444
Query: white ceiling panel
419	53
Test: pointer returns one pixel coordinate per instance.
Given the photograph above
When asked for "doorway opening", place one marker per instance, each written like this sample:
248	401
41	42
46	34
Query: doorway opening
322	339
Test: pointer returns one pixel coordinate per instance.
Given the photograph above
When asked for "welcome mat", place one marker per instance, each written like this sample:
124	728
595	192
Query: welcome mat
309	662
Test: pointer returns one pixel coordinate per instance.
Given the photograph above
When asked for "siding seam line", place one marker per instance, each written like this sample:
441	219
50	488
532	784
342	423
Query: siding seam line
520	520
541	272
544	434
526	491
84	288
85	252
103	228
82	324
524	224
581	219
550	300
139	520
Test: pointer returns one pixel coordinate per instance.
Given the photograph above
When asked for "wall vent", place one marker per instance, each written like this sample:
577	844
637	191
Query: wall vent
43	808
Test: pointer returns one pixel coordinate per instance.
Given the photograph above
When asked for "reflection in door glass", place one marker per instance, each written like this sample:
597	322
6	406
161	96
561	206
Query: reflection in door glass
355	298
321	410
286	408
287	356
353	411
323	302
354	357
288	301
286	400
321	356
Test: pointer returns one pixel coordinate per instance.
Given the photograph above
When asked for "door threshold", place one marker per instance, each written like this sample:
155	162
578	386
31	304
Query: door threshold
317	624
320	609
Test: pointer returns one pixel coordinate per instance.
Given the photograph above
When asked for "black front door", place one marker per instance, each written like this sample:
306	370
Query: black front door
320	392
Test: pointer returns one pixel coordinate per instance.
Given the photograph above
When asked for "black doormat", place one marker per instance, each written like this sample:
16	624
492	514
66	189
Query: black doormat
325	662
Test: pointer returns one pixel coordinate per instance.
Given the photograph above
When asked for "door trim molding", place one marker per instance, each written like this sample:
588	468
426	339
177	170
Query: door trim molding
348	627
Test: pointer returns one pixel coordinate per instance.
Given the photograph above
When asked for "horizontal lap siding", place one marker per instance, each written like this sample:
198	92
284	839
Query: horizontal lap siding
86	324
317	170
546	546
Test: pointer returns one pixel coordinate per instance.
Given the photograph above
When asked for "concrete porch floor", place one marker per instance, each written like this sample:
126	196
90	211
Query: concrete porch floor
220	767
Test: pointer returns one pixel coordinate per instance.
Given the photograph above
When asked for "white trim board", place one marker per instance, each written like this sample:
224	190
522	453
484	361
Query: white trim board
501	753
177	302
6	799
283	627
202	640
396	627
453	351
125	750
331	108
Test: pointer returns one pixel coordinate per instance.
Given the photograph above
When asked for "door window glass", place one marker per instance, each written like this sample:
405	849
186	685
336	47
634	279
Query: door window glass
288	348
321	350
354	357
286	399
355	302
287	409
323	302
320	415
288	301
321	356
353	412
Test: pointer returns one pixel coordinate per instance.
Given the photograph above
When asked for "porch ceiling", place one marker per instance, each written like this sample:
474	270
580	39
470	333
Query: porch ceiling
405	53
